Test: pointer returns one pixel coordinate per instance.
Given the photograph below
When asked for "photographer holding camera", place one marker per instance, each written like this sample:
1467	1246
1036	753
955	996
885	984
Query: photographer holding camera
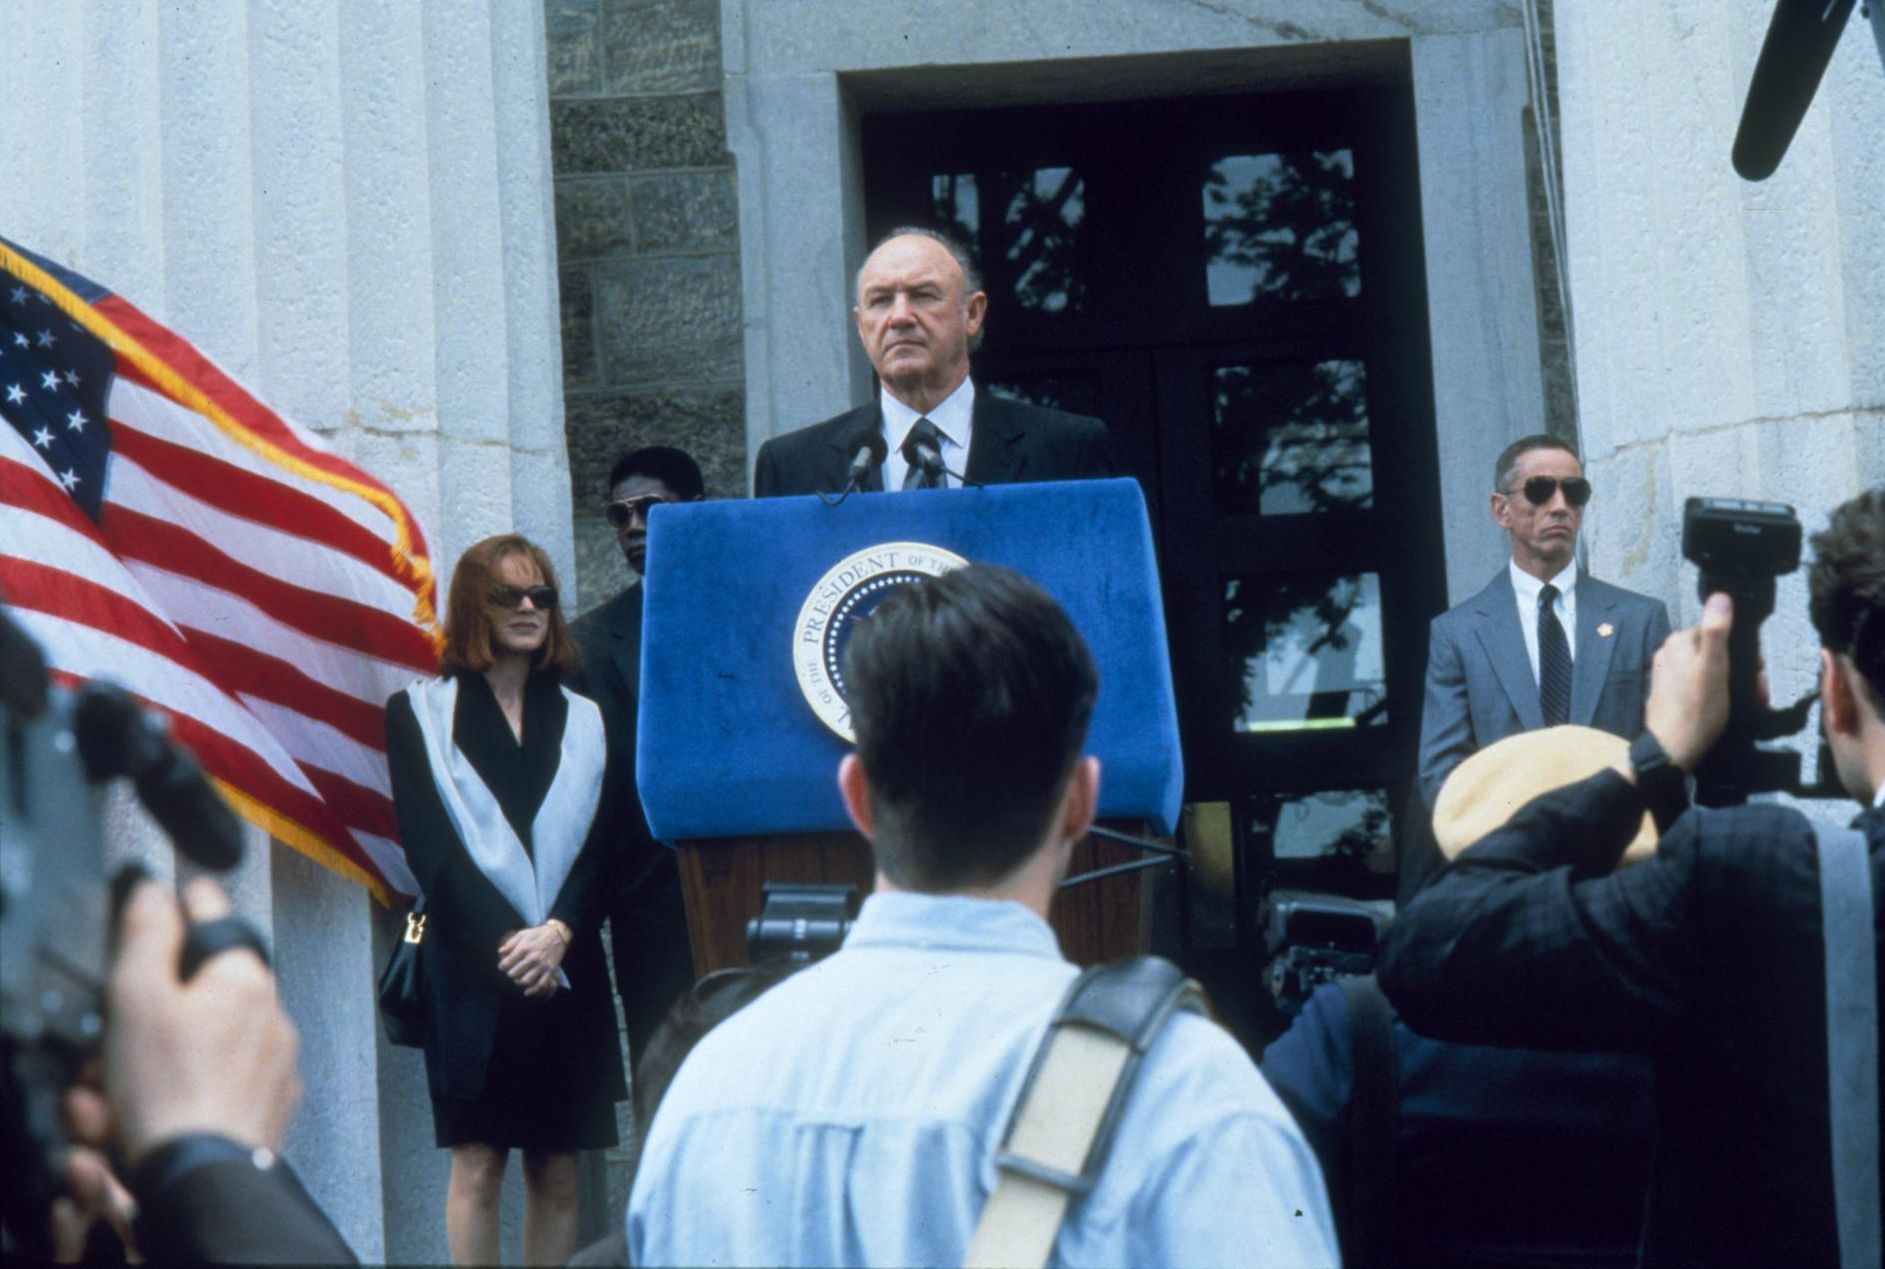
200	1085
1711	955
140	1039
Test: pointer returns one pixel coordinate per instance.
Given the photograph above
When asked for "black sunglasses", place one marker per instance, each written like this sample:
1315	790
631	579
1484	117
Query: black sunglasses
1538	490
620	513
543	598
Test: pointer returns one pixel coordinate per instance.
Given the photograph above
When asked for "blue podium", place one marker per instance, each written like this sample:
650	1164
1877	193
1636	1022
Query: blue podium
742	719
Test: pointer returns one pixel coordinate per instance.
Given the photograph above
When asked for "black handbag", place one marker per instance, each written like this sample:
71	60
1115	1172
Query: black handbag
402	985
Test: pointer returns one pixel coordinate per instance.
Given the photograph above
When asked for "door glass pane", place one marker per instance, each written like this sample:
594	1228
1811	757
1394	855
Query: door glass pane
1305	651
1290	437
956	207
1075	393
1339	824
1281	226
1039	237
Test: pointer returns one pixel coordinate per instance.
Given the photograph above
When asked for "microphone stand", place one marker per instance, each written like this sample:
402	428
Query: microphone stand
1161	855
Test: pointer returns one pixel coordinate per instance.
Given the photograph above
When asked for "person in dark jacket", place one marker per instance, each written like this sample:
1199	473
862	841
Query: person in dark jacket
1710	956
654	963
497	775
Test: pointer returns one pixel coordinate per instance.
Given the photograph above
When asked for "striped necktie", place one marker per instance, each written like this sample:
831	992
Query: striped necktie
1554	661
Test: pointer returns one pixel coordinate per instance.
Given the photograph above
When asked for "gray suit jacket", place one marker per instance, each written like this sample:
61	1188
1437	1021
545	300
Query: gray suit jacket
1480	686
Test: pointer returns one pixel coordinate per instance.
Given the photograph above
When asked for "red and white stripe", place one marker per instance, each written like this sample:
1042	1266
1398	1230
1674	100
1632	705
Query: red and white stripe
261	607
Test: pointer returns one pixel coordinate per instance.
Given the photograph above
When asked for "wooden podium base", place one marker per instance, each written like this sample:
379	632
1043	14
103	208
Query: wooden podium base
721	880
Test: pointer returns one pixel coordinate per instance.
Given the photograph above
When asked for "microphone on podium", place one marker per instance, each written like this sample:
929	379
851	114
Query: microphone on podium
926	459
867	451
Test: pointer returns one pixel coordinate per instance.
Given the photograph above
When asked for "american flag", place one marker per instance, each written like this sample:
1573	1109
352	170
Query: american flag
163	529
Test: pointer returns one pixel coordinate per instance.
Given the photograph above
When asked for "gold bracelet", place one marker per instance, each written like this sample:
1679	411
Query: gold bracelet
562	930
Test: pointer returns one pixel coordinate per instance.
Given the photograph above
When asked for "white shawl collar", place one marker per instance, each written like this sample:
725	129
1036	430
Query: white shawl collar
562	823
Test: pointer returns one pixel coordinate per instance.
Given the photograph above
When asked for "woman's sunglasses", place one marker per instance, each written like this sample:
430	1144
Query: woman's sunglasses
620	513
542	598
1538	490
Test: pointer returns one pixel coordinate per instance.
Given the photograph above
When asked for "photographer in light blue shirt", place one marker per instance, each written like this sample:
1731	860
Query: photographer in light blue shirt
852	1114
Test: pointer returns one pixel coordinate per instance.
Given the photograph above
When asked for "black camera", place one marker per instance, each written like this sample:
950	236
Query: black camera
800	922
1742	547
58	749
1314	939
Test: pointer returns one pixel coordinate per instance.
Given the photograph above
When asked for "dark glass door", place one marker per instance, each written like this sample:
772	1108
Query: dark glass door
1235	284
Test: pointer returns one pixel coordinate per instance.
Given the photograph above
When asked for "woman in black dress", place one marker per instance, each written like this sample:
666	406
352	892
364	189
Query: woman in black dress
497	776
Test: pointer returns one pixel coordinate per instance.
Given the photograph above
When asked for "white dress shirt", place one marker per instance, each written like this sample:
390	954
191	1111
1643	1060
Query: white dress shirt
1527	588
954	417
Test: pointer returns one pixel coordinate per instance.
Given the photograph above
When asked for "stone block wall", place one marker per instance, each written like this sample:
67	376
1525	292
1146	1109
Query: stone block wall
647	230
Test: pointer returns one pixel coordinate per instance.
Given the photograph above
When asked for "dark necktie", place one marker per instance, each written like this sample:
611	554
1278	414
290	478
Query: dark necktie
922	432
1554	661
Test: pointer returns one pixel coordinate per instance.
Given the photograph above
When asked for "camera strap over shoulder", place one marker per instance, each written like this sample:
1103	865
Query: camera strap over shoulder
1846	923
1057	1137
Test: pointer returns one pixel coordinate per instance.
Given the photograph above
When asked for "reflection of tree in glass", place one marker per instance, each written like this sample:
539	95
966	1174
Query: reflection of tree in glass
1281	226
955	205
1340	824
1313	616
1291	438
1043	209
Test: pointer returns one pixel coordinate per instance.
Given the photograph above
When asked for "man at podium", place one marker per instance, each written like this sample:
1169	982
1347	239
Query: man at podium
919	314
851	1114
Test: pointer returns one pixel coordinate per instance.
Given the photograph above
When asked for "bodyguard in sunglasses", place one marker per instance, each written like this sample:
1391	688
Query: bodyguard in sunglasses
1542	644
647	923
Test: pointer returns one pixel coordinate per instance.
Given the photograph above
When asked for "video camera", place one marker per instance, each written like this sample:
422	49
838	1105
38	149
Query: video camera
1742	547
1312	939
59	747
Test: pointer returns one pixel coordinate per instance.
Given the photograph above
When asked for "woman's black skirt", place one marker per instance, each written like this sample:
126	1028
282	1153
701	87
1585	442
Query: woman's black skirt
532	1098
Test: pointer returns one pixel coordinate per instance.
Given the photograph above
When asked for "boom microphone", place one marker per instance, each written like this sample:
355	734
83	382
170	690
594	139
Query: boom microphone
1799	45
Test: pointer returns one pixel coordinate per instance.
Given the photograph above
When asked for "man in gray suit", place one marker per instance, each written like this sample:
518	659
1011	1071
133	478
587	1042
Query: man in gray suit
1542	644
647	924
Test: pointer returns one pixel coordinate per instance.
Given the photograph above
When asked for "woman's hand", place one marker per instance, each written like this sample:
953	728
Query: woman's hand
530	957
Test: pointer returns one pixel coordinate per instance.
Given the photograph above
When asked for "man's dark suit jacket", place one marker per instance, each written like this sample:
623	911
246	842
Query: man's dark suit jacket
1708	957
1480	686
233	1213
654	964
1010	442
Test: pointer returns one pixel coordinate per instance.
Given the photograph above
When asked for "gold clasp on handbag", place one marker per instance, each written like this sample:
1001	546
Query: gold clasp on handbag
415	926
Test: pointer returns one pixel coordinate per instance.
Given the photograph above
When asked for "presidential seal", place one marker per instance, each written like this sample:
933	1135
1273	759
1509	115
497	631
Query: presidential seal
853	587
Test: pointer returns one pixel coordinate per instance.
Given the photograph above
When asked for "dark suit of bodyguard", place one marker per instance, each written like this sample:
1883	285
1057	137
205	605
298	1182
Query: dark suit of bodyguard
647	920
919	312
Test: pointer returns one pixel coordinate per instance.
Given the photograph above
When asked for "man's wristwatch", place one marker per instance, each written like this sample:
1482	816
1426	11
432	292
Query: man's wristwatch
1663	785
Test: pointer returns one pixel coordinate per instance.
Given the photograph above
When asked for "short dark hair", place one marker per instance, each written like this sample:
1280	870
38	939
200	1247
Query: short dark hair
1846	586
469	648
1509	456
970	695
673	467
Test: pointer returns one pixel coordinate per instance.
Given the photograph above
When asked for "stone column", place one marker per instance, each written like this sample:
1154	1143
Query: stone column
1469	96
1730	336
347	205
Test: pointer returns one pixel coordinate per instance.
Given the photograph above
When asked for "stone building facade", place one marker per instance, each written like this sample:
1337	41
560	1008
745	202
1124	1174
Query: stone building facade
484	245
647	230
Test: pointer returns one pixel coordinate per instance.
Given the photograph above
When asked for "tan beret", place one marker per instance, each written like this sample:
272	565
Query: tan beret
1483	792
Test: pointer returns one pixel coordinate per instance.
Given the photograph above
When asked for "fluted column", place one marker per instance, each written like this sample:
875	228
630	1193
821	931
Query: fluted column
347	204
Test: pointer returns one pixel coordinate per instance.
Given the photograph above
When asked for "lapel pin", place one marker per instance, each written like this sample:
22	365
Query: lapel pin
1605	630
